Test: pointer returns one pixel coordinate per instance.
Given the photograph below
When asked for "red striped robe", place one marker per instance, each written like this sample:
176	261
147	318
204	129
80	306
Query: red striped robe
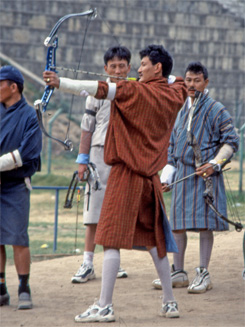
141	120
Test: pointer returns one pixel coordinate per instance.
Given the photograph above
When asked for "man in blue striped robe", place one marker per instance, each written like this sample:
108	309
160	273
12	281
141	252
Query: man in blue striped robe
209	123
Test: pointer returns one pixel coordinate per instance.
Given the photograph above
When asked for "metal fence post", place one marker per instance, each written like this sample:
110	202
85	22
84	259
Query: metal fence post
241	146
56	219
56	212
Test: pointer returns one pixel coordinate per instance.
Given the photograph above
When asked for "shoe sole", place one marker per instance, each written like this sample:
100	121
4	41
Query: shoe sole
95	320
122	276
185	283
174	285
5	300
157	286
170	314
77	280
194	291
25	306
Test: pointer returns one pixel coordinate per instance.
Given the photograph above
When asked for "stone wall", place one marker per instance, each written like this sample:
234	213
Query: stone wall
190	29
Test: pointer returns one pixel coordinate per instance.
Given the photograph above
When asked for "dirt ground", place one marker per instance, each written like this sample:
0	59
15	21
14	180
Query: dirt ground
136	303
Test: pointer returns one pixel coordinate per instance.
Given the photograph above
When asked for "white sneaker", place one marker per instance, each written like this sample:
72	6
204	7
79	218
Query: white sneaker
83	274
25	301
170	310
157	284
122	273
201	282
97	314
179	279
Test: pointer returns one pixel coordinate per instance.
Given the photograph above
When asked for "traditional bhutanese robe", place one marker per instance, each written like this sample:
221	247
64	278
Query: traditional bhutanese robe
19	131
142	117
212	127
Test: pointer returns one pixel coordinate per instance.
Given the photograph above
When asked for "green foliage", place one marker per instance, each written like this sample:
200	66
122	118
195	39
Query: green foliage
70	226
50	180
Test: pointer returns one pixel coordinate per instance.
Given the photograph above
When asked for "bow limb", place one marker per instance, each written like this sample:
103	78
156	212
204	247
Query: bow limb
208	196
52	43
238	225
91	12
67	143
72	186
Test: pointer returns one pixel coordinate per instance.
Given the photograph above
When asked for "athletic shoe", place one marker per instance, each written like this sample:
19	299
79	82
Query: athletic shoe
170	310
97	314
25	301
157	284
201	282
179	279
122	273
4	299
83	274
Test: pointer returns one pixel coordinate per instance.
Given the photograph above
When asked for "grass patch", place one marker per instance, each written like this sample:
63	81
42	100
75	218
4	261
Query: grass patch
42	212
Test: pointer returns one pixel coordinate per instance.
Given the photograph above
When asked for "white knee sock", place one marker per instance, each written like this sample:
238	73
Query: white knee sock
111	265
88	258
163	270
181	241
206	245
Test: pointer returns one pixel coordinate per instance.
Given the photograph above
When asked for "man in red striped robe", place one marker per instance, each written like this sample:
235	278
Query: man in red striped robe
142	116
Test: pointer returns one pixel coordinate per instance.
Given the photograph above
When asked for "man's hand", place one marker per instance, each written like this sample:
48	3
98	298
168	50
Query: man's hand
51	78
165	187
205	171
81	170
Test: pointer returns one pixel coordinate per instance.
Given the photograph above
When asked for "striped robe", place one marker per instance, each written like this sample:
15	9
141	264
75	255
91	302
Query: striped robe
141	120
212	127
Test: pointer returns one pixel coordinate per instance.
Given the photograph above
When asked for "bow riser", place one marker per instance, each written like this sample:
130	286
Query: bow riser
50	65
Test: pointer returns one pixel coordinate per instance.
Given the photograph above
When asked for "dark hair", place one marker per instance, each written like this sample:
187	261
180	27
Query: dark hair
19	85
157	53
117	51
197	68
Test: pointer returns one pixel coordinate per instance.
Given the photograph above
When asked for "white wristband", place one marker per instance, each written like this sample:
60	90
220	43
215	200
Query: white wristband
215	165
168	174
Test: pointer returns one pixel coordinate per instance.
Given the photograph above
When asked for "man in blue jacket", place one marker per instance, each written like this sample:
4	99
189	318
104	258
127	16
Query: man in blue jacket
20	147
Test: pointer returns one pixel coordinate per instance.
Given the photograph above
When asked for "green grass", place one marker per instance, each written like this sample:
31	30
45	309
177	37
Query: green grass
42	213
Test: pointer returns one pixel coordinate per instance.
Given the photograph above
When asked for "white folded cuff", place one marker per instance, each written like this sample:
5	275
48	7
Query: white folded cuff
171	79
81	88
168	174
111	91
11	160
